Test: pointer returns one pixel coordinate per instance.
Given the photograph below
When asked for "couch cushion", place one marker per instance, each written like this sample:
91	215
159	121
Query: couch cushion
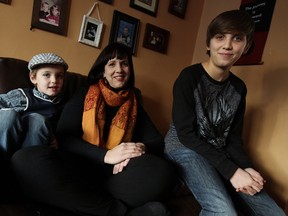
72	82
13	74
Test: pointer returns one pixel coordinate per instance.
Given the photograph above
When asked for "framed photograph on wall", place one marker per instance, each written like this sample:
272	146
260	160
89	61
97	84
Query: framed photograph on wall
124	30
51	15
178	7
5	1
91	30
156	38
147	6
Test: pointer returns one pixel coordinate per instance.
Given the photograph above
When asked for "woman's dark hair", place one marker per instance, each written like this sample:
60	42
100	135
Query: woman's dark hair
234	21
111	51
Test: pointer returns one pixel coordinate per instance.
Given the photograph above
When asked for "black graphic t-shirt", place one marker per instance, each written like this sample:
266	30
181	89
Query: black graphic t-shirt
207	117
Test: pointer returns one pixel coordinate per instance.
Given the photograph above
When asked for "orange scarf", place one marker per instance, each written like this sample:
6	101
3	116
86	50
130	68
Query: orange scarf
93	119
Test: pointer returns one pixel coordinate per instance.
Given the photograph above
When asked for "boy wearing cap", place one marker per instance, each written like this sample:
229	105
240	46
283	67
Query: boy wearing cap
29	116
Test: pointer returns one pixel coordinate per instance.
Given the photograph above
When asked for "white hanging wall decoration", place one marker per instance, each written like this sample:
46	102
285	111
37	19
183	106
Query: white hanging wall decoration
91	28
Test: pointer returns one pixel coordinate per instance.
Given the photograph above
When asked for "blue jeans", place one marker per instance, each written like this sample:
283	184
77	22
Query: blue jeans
216	195
19	132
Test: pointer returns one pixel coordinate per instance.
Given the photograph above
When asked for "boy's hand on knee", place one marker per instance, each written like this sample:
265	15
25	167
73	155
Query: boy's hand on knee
243	182
256	176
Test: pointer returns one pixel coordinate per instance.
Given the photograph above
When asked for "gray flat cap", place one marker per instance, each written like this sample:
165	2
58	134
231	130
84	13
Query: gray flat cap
46	58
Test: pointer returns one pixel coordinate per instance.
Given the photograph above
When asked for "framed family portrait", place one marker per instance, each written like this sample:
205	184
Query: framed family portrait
51	15
156	38
147	6
178	7
124	30
5	1
90	32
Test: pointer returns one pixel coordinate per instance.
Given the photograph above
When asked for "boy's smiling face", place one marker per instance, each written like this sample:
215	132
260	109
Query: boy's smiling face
48	79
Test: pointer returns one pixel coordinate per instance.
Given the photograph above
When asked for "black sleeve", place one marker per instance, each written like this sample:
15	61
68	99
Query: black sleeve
234	142
69	130
146	132
184	118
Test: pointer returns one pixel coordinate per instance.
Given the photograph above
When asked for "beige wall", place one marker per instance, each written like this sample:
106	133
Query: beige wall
266	126
155	72
267	104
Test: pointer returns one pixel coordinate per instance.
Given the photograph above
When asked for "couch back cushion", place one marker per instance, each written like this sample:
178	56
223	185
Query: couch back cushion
13	74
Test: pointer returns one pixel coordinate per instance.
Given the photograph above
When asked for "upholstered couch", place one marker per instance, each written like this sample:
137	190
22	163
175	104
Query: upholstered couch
14	74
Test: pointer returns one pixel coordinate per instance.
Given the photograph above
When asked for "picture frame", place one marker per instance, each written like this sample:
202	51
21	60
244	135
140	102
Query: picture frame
156	38
91	30
5	1
107	1
51	15
124	30
178	8
147	6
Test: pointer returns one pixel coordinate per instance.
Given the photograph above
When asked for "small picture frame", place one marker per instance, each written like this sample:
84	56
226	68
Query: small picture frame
178	7
147	6
51	15
90	32
124	30
156	38
5	1
107	1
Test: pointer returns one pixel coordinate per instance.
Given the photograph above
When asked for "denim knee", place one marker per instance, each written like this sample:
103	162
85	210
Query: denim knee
38	130
10	132
10	121
204	182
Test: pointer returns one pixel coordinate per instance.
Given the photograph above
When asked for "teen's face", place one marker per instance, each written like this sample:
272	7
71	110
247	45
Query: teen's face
49	79
226	49
117	72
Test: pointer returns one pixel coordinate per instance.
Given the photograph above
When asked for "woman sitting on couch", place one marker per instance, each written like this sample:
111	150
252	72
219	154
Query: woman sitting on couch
109	158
